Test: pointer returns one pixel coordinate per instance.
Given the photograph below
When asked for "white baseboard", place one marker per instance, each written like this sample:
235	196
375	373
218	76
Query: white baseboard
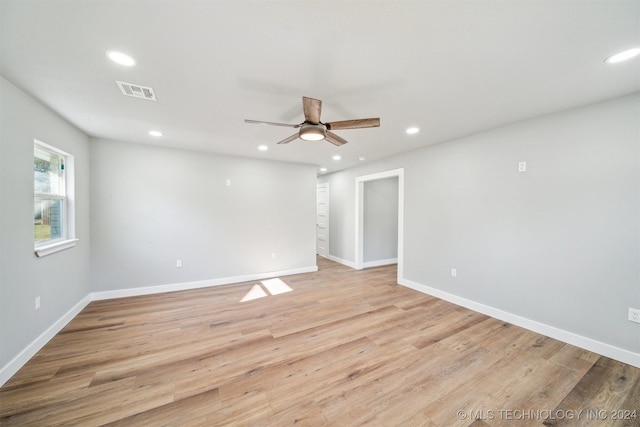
368	264
619	354
10	369
148	290
342	261
380	263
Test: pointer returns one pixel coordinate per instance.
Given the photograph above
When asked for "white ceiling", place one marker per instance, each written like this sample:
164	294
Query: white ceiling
453	68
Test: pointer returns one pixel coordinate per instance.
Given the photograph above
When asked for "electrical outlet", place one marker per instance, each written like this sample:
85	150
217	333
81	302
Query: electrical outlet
273	255
37	303
522	166
454	272
634	315
179	263
228	183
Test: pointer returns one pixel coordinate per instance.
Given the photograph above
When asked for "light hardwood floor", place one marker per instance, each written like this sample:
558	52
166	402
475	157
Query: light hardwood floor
342	348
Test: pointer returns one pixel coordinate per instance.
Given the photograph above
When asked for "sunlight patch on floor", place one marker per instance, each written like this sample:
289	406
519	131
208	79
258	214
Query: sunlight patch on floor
276	286
254	293
269	287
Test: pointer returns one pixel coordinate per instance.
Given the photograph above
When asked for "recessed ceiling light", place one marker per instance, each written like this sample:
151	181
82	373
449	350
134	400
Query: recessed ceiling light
623	56
323	169
263	148
121	58
156	133
336	157
412	130
362	159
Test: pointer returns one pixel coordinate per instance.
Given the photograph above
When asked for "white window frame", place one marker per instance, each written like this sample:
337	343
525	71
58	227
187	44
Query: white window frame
68	239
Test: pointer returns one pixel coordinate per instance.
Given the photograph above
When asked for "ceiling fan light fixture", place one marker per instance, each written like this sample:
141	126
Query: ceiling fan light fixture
312	129
309	132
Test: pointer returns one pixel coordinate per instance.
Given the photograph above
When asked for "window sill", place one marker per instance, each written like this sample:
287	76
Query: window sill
55	247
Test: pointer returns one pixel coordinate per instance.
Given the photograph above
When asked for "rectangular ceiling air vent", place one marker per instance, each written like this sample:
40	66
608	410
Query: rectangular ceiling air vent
137	91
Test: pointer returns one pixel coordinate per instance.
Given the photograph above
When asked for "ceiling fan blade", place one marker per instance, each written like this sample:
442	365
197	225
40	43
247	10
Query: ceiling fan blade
261	122
354	124
335	139
312	108
289	139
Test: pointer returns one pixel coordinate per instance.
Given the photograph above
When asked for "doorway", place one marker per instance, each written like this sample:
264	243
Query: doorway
380	222
359	243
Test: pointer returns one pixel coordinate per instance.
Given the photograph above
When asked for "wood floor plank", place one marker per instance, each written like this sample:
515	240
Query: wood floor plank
342	347
608	384
193	410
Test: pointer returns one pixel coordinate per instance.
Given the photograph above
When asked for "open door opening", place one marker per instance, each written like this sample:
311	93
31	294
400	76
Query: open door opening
360	208
380	222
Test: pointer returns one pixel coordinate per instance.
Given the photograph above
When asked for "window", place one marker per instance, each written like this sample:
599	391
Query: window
53	227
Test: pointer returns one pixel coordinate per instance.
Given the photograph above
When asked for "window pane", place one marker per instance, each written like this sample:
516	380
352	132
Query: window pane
47	219
47	172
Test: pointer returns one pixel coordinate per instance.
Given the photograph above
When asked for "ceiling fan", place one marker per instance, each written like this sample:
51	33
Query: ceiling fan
312	129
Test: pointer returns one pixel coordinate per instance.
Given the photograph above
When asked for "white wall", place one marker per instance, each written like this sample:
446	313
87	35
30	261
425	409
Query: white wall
153	206
559	244
61	279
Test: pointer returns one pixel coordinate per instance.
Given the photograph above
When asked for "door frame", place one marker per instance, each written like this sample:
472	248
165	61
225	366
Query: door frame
359	244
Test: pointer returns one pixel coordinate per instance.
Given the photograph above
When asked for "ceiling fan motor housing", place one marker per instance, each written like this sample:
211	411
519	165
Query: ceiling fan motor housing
311	132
